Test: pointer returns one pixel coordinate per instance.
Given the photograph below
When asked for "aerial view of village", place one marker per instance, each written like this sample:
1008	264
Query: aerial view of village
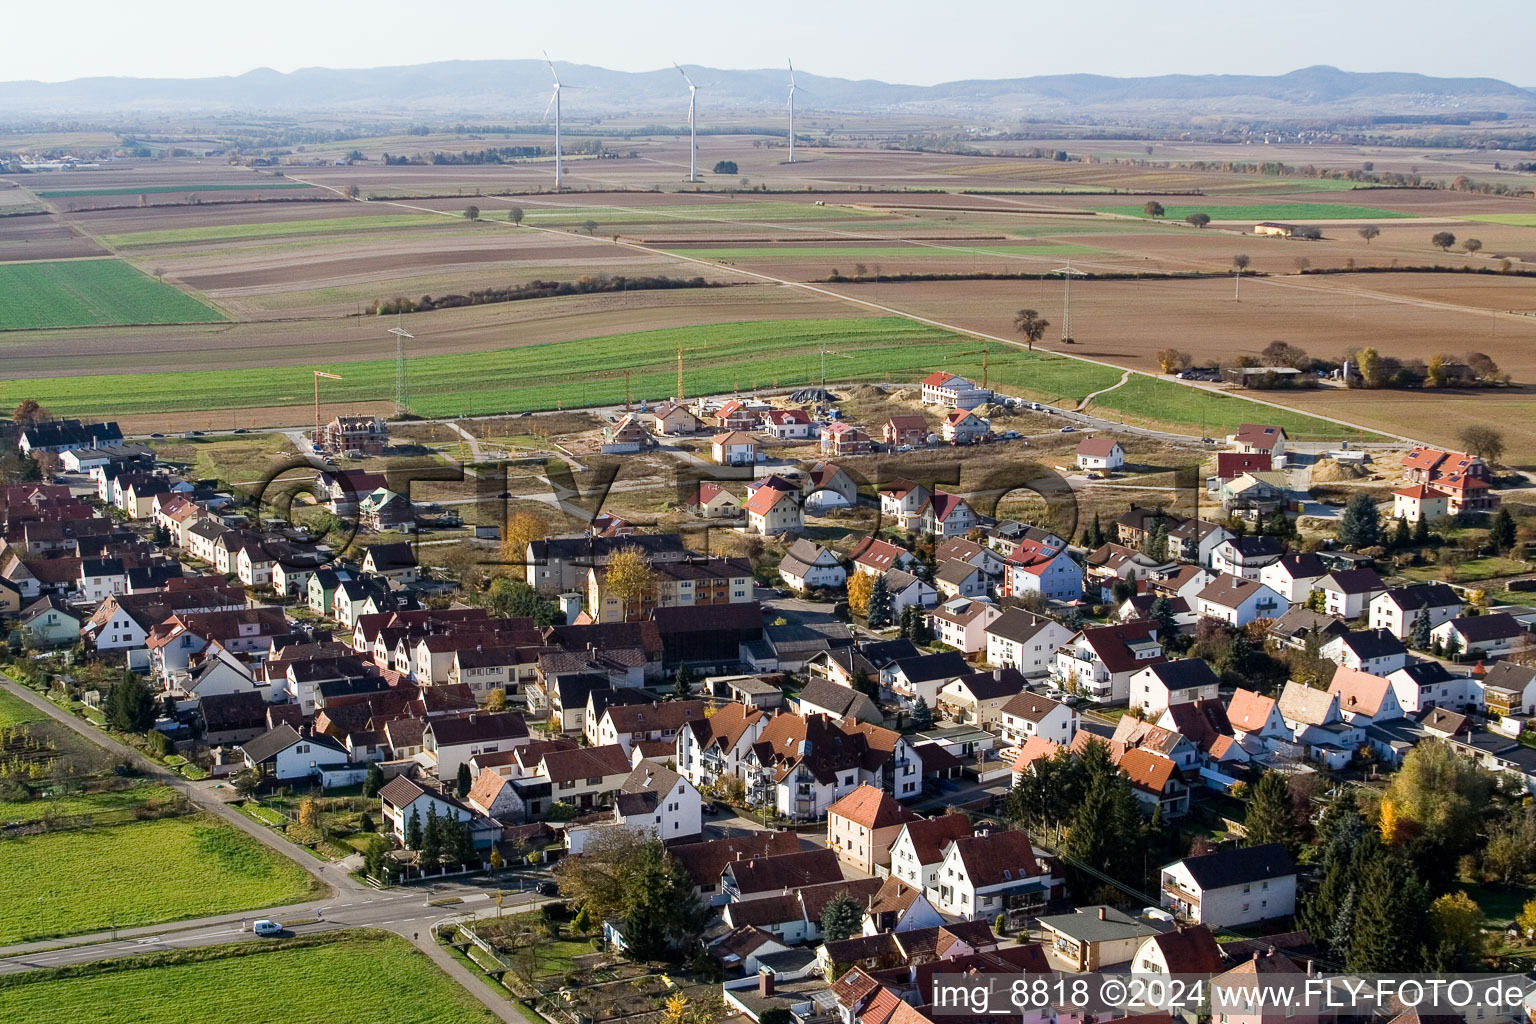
879	514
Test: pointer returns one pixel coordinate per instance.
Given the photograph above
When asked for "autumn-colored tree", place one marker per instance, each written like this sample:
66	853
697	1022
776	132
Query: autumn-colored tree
676	1011
523	528
1388	822
1172	360
29	411
629	574
496	700
860	586
1526	919
309	812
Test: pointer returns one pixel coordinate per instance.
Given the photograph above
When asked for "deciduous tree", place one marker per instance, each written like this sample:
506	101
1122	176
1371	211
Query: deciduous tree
1486	442
522	529
1199	220
515	215
1171	360
1153	208
1031	324
471	213
1442	240
1472	244
860	586
630	576
1369	232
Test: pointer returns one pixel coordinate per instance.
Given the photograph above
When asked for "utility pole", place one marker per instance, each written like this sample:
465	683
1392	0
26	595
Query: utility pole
402	388
679	374
984	352
626	391
1067	273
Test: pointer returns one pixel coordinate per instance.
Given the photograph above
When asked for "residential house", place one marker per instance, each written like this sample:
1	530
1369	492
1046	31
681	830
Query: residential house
583	778
1196	541
673	419
1364	698
905	430
1231	465
841	439
902	501
1247	556
1099	661
1258	439
907	591
1232	888
809	566
625	435
733	448
285	753
755	878
395	561
1110	563
1103	454
1256	494
1238	601
953	391
828	486
862	826
1293	575
50	622
946	515
1156	782
899	907
1025	641
978	698
1510	690
1027	715
1366	650
715	502
788	424
625	724
1420	501
1466	480
1480	636
802	765
1055	576
1092	938
909	679
1256	721
715	749
450	740
1423	684
875	557
1317	724
738	415
964	426
918	850
655	800
1156	687
960	579
68	435
1348	593
838	702
1398	609
985	875
402	798
773	510
961	622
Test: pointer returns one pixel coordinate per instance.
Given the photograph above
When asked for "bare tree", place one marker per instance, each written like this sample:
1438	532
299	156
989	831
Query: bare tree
1483	441
1241	261
1029	323
1369	232
1302	264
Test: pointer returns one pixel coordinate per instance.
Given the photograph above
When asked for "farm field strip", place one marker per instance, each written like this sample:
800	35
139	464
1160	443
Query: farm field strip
1517	220
92	292
303	982
796	252
1266	211
235	232
124	190
740	355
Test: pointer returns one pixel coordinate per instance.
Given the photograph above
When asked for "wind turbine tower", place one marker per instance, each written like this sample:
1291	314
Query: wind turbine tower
693	130
791	111
554	101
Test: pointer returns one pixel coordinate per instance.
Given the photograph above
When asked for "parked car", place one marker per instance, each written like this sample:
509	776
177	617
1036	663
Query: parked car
239	430
265	927
1068	429
548	889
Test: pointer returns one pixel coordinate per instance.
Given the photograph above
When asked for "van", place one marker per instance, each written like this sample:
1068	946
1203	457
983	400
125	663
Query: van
265	927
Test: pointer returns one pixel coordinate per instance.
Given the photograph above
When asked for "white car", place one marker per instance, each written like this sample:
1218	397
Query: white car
1067	430
265	927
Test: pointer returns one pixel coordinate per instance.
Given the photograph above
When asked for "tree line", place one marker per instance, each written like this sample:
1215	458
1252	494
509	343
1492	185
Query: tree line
541	290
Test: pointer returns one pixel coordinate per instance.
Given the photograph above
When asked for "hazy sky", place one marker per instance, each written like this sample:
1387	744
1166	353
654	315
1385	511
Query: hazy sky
893	40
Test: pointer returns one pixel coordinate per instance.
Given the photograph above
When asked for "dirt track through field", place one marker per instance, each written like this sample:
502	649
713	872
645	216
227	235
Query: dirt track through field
871	305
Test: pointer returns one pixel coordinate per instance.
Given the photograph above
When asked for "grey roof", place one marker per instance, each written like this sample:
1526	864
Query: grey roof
1372	643
1426	671
1424	595
1018	625
1480	628
1297	622
1353	581
1086	925
269	744
1509	677
1184	673
1236	867
843	701
956	571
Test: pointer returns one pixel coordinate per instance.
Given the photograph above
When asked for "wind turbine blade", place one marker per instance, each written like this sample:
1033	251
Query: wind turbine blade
791	74
550	106
684	74
551	64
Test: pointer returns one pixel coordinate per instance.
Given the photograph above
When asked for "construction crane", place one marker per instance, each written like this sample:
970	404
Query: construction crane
318	375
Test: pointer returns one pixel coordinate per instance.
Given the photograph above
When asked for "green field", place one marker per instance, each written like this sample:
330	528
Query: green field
1517	220
15	711
1266	211
362	976
316	226
125	190
718	358
956	250
84	803
1149	400
65	883
91	293
729	210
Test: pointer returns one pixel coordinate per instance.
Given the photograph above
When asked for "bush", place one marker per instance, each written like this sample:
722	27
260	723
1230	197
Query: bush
159	743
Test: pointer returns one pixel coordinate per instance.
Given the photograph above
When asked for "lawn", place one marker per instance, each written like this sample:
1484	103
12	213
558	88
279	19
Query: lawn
15	711
1471	571
65	883
957	250
83	293
316	226
233	459
317	980
84	803
718	358
128	190
1149	400
1267	211
1500	903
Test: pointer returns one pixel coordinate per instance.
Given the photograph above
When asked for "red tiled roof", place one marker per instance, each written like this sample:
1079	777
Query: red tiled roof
1097	447
872	808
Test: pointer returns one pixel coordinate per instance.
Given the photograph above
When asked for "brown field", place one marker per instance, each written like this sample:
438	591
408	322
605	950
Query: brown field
42	237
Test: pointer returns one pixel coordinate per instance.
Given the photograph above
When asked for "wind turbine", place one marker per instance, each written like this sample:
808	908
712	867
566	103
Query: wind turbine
693	133
791	111
554	101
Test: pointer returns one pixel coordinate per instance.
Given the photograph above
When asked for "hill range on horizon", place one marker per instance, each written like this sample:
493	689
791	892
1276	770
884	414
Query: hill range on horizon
520	88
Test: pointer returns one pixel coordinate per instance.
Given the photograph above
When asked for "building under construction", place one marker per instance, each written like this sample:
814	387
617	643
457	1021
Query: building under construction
345	435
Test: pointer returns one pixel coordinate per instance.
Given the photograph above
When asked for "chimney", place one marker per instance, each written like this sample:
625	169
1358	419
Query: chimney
764	983
997	674
1101	913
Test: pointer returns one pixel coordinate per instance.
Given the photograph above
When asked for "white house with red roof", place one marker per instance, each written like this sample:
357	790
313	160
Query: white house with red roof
1054	575
1259	439
828	485
963	427
1100	453
1364	698
733	448
788	424
875	557
715	502
1420	501
903	501
954	391
985	875
962	623
862	826
774	508
1256	721
947	515
737	415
